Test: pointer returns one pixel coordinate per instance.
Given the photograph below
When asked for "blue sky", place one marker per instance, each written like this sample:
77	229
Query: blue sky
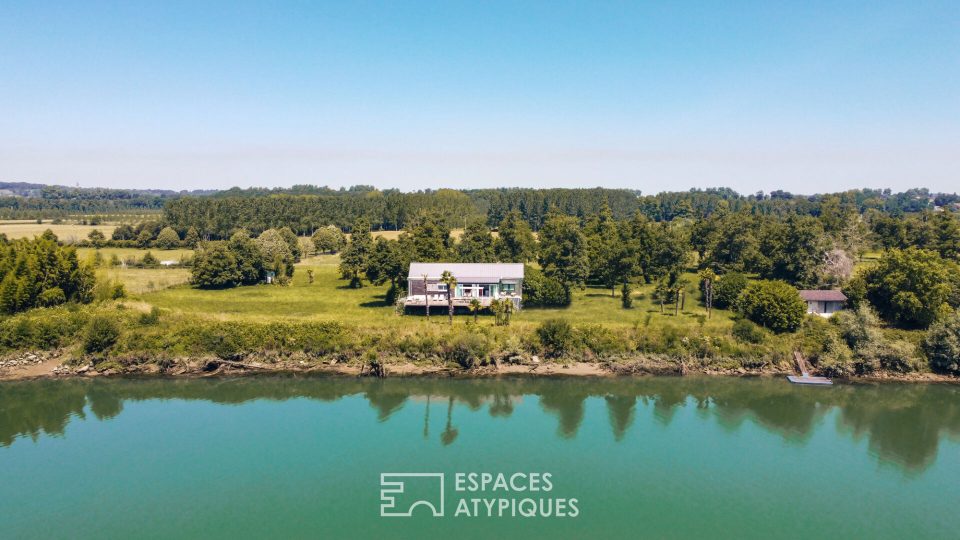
803	96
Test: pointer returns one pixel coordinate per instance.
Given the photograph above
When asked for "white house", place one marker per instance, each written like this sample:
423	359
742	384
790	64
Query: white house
481	281
823	302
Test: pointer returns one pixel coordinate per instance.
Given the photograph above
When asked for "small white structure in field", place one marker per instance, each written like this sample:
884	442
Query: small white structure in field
823	302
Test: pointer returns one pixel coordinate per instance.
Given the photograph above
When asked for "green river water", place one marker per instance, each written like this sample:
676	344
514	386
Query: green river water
279	457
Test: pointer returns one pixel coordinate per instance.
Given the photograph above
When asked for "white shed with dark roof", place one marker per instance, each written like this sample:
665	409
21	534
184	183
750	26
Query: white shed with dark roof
824	302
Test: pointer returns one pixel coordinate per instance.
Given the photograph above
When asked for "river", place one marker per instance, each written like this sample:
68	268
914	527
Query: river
635	457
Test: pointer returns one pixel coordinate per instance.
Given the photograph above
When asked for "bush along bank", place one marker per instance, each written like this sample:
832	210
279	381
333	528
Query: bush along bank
117	338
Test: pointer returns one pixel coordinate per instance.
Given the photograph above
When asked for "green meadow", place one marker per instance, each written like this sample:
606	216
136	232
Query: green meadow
329	299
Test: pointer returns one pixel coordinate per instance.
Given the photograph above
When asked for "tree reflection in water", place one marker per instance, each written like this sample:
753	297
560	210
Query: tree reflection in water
902	423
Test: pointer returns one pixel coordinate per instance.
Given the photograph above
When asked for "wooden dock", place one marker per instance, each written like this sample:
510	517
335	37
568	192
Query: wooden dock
805	377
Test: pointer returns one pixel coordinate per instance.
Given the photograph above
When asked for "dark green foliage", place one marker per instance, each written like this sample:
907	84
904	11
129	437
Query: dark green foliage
604	248
149	261
430	241
356	257
942	345
101	334
542	291
192	238
515	241
250	263
168	239
151	317
293	243
563	251
388	263
747	332
97	239
556	337
39	272
727	289
911	287
476	245
123	232
215	267
469	349
52	297
773	304
794	250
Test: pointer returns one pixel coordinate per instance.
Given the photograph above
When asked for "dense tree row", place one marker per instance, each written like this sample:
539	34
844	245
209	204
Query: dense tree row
41	273
305	208
243	260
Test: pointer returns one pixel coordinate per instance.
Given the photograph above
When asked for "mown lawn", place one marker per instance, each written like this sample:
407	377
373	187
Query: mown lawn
327	298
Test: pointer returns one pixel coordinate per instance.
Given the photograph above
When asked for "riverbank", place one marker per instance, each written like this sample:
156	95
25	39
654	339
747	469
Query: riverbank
58	364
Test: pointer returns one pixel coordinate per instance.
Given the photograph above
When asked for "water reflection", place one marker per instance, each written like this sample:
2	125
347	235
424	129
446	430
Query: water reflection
902	423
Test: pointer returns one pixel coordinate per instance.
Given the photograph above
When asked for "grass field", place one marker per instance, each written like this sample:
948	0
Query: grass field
66	232
145	280
327	298
125	253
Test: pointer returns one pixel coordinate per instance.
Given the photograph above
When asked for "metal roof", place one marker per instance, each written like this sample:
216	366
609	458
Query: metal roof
467	272
823	296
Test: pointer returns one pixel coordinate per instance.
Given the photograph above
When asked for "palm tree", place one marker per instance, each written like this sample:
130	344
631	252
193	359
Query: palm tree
475	307
449	433
426	297
507	310
447	277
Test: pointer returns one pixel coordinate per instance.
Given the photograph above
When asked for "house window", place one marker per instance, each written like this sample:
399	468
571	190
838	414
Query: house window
508	288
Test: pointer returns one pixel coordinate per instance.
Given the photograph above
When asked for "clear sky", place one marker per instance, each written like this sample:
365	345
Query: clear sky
805	96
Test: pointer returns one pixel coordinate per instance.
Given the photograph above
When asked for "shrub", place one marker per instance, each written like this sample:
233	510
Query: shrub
601	340
469	349
150	318
898	356
747	332
52	297
836	360
556	337
727	288
118	292
942	345
773	304
102	333
149	261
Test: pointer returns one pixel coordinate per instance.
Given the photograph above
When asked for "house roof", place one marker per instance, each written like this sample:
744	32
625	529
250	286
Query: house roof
467	272
830	295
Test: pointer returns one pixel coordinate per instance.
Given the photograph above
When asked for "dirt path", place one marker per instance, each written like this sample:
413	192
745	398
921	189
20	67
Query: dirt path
43	369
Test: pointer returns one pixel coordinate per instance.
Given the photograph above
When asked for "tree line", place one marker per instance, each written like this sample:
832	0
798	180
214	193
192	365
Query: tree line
304	210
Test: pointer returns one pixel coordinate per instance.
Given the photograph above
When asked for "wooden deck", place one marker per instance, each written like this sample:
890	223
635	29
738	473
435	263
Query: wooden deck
805	377
459	301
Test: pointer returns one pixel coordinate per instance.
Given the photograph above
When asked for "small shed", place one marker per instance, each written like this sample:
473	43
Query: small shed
824	302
